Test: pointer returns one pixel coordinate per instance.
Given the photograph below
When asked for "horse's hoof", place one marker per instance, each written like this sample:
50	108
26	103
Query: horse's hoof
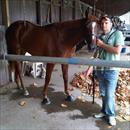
26	93
46	101
70	98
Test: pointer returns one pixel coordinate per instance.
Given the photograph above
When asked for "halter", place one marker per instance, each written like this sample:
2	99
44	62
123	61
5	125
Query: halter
92	25
93	32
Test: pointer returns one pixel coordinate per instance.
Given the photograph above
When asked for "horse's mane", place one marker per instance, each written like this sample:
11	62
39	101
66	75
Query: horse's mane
63	25
66	24
71	23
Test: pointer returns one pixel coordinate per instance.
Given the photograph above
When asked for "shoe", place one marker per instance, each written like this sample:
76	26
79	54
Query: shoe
100	115
112	120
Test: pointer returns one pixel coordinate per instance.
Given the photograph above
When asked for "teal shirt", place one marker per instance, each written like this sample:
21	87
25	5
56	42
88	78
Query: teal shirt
114	38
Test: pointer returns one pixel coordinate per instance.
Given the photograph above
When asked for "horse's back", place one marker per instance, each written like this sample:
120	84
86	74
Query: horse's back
31	38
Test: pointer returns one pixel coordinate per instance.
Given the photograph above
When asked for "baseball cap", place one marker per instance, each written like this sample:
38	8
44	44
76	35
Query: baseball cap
106	17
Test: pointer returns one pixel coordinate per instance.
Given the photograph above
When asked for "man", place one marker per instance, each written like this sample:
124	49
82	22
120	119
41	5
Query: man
109	48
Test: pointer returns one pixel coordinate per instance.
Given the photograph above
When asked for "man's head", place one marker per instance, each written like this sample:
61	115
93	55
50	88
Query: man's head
106	23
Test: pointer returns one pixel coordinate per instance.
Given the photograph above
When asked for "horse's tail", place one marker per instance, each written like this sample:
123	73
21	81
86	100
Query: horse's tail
13	36
8	40
12	40
10	35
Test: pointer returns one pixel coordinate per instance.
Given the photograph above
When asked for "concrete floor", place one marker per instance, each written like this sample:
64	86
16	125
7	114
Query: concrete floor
77	115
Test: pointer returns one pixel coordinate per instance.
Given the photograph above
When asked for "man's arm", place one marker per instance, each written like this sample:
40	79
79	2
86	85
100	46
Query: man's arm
112	49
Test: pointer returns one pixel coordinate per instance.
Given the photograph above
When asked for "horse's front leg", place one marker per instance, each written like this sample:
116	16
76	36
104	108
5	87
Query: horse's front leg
49	69
65	78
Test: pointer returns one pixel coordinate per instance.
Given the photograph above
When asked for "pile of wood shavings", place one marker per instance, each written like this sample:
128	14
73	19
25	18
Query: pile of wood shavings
85	84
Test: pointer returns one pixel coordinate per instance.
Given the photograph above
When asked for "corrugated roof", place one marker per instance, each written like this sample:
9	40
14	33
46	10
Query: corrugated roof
111	7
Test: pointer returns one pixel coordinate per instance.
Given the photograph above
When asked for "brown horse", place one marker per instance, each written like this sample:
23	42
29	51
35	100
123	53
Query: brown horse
54	40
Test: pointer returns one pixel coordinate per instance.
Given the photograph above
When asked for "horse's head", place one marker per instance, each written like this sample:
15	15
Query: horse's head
92	26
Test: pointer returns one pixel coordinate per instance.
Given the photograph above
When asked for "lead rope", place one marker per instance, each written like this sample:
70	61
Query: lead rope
96	55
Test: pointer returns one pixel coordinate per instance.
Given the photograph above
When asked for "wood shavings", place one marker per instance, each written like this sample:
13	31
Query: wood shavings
22	103
64	105
85	84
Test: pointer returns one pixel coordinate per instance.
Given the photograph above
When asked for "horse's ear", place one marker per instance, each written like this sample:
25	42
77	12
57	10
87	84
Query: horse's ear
87	12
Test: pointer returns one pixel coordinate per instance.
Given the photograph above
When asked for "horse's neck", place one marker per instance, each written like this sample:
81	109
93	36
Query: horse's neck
71	33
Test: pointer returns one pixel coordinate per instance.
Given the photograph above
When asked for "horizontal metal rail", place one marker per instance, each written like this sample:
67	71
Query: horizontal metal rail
59	60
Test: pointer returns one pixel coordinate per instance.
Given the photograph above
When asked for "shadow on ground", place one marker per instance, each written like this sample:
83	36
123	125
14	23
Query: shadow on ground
57	98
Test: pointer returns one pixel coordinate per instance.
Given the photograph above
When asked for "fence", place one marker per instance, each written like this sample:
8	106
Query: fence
76	61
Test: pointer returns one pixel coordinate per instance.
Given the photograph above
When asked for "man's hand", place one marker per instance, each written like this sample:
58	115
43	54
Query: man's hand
109	48
99	42
88	71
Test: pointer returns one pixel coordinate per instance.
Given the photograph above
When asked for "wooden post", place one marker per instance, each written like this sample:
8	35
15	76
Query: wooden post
50	15
73	10
4	74
5	13
38	12
61	11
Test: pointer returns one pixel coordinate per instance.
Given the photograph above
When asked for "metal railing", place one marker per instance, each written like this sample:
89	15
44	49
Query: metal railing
59	60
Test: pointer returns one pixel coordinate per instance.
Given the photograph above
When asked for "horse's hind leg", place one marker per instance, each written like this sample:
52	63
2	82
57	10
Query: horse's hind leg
13	73
19	78
49	69
65	77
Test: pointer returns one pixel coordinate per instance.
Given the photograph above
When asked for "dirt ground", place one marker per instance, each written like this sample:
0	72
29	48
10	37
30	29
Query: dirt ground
59	115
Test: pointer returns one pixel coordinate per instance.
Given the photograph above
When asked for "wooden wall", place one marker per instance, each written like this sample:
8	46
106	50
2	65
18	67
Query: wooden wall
4	75
43	11
37	11
0	13
20	10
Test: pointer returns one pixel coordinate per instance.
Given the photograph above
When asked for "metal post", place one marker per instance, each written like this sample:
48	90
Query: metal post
76	61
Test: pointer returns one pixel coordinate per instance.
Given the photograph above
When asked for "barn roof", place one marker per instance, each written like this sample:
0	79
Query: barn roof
111	7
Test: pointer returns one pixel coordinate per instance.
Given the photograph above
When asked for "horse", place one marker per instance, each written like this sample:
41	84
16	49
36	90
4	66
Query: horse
53	40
